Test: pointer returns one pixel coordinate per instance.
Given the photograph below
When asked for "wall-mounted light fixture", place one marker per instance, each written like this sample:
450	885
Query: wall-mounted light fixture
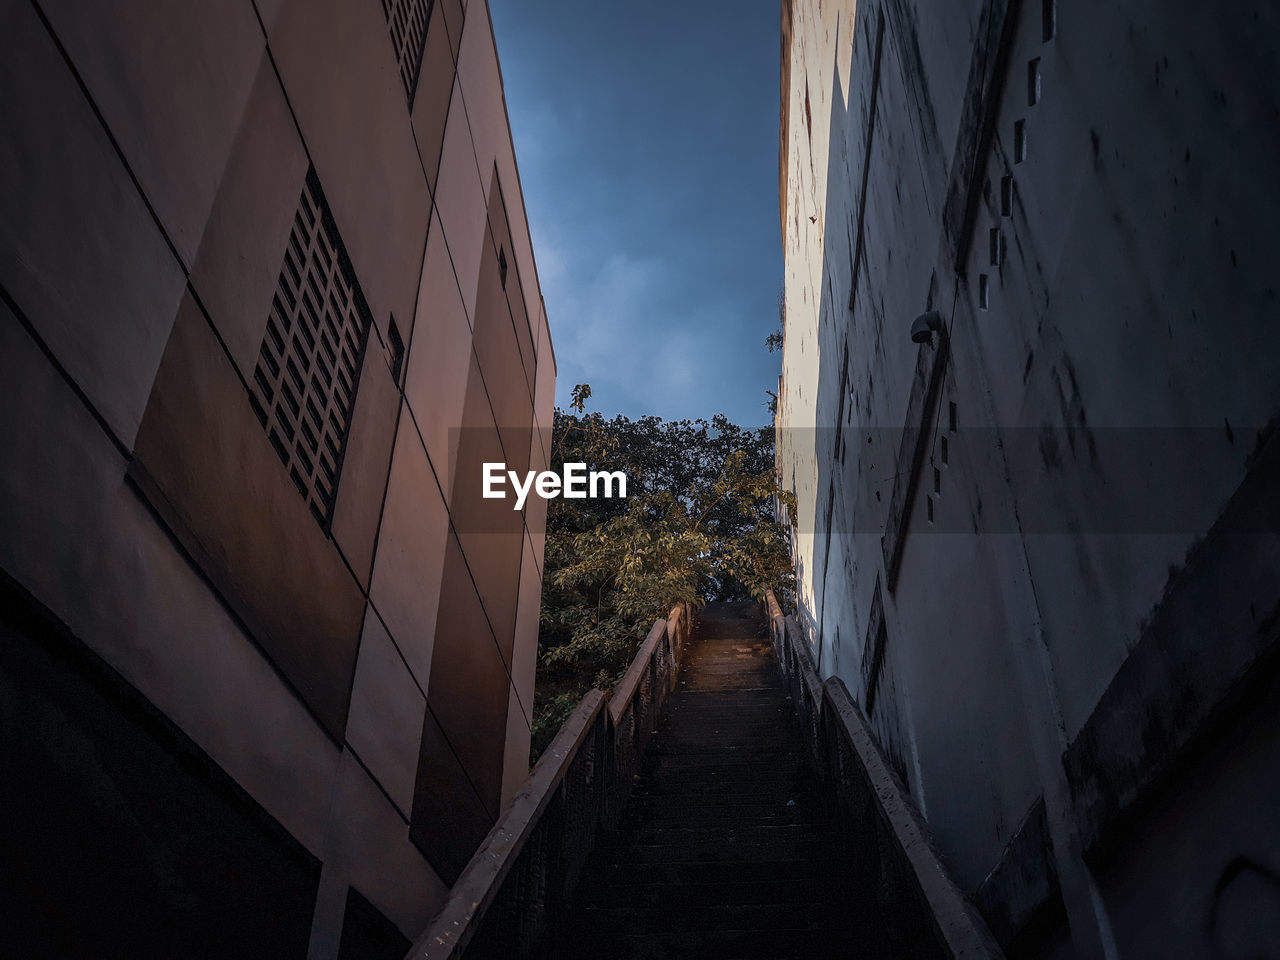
926	325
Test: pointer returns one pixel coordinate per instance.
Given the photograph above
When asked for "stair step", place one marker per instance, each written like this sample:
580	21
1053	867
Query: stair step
736	748
739	851
692	837
626	874
695	919
783	944
721	768
706	792
679	812
713	893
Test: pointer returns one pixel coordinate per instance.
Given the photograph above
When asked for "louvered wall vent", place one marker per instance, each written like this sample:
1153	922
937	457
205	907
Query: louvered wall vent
407	22
304	386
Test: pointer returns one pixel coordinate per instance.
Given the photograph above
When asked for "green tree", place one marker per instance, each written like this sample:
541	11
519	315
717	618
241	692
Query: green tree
697	524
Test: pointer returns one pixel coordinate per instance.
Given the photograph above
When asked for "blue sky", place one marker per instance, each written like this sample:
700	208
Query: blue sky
647	139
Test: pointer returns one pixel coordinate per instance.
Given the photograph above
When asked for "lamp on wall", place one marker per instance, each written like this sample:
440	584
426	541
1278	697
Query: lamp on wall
926	325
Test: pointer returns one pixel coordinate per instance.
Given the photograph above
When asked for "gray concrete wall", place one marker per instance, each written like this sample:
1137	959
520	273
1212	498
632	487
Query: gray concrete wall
1036	680
151	171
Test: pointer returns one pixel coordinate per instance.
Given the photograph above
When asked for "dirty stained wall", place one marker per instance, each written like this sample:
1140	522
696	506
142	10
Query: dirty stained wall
1035	548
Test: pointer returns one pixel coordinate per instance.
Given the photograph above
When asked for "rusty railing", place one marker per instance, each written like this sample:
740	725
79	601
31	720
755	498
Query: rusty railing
509	897
925	914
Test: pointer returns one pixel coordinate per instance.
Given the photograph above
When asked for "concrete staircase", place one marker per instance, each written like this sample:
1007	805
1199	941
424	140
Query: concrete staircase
727	848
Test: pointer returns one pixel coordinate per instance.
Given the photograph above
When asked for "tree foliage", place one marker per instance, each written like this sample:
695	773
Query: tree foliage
697	524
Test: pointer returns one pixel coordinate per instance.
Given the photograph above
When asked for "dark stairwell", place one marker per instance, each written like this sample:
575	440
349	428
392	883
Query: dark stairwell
722	803
727	847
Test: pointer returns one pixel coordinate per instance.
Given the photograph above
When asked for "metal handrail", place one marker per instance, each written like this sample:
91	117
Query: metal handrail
476	888
508	898
925	913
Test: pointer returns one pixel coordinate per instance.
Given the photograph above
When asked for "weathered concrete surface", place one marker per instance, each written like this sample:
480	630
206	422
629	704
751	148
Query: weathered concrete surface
1087	199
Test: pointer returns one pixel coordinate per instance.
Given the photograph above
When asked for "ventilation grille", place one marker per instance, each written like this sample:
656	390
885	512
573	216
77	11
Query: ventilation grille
304	386
407	22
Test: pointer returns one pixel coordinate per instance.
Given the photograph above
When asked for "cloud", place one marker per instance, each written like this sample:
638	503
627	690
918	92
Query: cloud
654	226
598	305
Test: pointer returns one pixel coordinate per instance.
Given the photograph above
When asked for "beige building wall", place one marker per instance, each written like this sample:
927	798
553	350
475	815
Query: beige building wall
269	297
